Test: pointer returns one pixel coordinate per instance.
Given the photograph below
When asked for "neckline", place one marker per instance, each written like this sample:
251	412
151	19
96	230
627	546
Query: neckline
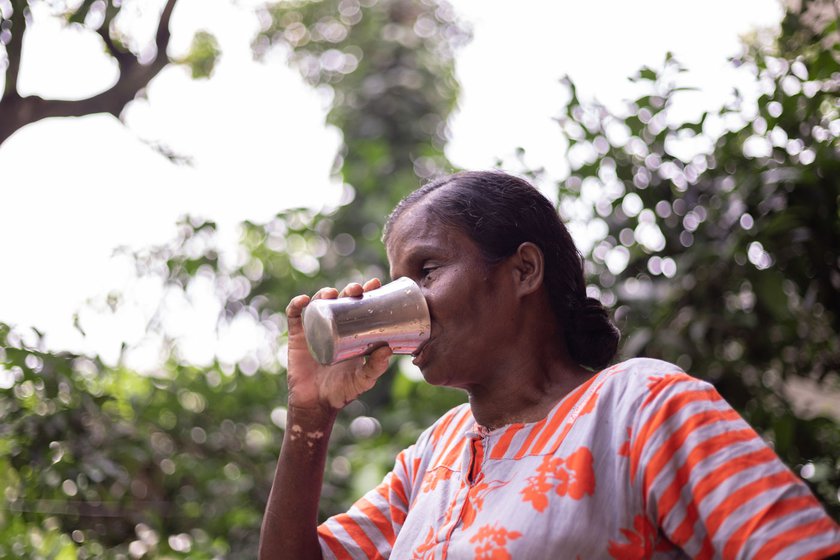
579	393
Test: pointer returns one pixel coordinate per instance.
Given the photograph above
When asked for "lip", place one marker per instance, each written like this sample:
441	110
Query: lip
420	354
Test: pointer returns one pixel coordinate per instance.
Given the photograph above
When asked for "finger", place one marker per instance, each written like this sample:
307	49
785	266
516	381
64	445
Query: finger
296	305
372	284
326	293
377	363
353	289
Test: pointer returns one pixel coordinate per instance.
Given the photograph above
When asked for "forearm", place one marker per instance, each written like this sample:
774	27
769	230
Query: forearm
290	524
289	528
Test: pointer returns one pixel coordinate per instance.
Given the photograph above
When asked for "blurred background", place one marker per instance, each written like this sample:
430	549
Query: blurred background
172	172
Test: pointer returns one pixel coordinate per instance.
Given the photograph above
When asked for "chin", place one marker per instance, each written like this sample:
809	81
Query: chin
428	376
438	378
432	377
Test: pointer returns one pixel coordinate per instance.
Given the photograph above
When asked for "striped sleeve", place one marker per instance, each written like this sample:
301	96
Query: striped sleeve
369	528
713	485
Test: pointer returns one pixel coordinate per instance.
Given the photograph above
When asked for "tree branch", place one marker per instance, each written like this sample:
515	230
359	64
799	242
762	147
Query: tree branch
16	111
162	36
13	50
141	74
122	56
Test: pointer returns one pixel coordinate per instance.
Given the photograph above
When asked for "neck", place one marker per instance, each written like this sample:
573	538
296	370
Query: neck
530	373
525	390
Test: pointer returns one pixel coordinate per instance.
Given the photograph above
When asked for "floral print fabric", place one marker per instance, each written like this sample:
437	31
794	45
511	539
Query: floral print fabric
641	461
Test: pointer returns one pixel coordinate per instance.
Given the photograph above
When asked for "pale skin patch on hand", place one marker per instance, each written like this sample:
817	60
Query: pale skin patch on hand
311	437
296	431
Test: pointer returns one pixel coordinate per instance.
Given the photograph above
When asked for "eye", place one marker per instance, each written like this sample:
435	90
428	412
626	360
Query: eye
427	270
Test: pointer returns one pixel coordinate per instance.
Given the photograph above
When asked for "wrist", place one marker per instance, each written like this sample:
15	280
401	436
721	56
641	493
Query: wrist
310	418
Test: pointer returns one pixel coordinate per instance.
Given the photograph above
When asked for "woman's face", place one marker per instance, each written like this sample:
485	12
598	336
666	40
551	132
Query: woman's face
471	303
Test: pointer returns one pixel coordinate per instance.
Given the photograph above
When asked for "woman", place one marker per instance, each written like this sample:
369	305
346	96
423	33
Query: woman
553	456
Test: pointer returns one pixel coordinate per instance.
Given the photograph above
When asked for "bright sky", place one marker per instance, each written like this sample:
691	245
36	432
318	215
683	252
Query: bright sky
74	189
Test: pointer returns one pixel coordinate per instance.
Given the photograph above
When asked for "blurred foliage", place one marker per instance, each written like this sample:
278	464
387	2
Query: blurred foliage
104	462
389	67
101	461
727	262
724	262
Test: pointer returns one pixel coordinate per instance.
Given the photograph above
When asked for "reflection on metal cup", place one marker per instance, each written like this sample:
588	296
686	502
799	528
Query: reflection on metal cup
395	315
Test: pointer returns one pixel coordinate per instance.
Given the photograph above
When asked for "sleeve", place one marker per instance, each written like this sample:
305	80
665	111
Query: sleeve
713	487
370	527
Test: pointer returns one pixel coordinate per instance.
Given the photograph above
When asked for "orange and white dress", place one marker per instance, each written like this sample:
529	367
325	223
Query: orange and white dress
641	461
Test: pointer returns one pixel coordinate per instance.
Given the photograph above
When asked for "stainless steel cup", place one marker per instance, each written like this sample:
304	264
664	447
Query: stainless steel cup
395	314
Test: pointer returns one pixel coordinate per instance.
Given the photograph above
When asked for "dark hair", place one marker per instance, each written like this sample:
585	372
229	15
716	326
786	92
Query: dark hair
500	212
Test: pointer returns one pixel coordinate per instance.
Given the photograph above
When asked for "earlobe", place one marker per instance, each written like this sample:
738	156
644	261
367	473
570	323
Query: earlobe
529	268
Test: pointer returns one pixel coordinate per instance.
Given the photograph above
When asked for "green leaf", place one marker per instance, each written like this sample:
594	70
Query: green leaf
648	74
202	55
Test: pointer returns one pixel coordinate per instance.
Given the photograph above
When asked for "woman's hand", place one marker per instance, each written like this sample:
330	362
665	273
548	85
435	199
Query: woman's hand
314	386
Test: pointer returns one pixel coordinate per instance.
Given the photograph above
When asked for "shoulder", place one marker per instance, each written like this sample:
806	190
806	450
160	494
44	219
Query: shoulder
639	377
636	368
640	386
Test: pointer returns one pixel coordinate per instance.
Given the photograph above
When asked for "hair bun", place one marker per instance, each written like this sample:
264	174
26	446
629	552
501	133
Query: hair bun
591	337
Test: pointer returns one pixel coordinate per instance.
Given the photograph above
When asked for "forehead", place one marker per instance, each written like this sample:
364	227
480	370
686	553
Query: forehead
417	234
415	225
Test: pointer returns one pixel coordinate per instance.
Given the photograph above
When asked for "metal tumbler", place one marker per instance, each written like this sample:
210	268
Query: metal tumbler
395	315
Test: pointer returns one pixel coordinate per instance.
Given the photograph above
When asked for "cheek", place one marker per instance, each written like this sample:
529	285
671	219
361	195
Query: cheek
451	304
455	294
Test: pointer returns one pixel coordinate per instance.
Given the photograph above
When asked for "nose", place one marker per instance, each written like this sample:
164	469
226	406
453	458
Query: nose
427	295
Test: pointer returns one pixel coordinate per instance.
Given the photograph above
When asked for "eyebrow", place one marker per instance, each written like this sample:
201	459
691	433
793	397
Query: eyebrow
423	249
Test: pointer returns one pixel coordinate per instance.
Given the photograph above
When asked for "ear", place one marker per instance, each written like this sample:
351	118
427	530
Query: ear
528	268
